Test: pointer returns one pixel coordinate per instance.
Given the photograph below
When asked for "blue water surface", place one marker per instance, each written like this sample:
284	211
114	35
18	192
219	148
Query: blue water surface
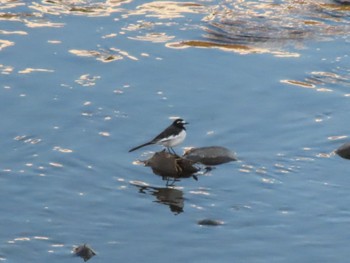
82	82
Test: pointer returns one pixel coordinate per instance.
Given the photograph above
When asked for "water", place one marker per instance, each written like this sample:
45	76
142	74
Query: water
84	81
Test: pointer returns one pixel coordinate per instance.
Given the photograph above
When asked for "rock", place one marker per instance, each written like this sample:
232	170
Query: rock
212	155
344	151
210	222
344	2
84	251
170	165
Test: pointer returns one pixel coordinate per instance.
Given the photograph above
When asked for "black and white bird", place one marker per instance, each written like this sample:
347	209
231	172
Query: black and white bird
170	137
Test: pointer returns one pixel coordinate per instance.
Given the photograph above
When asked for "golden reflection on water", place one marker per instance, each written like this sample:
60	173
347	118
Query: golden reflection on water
5	70
274	27
79	7
31	70
62	150
154	37
241	49
57	165
337	137
168	9
4	32
87	81
298	83
320	80
104	56
5	44
244	27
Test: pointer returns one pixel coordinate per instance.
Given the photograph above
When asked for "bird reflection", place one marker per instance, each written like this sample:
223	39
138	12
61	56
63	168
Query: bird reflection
168	196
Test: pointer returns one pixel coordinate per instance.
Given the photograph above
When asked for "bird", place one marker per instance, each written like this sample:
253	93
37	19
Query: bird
172	136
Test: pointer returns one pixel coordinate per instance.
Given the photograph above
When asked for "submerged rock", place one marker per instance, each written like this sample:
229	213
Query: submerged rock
345	2
344	151
210	222
84	251
170	165
212	155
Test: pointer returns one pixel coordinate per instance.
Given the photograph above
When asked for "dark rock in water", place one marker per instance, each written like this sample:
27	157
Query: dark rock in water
210	222
344	151
212	155
169	165
84	251
345	2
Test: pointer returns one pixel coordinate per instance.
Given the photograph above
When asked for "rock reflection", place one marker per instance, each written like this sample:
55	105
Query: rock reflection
169	196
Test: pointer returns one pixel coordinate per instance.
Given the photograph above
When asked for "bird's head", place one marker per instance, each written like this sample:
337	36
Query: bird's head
180	123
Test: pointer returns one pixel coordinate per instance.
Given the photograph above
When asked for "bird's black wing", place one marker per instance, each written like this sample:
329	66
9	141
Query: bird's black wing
167	134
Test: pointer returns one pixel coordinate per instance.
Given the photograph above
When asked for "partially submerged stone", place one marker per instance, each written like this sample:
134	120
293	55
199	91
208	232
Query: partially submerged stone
210	222
345	2
170	165
344	151
84	251
212	155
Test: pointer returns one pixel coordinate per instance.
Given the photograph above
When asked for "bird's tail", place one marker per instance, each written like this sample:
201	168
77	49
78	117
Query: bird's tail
140	146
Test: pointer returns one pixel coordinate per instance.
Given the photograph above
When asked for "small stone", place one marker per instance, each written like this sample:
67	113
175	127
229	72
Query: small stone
84	251
210	222
344	151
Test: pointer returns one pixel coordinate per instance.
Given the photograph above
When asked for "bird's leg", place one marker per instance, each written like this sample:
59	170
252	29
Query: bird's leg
167	182
173	151
171	183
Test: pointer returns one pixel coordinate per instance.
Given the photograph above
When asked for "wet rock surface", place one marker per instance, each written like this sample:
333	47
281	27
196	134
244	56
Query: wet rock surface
169	165
344	151
84	251
211	155
344	2
210	222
